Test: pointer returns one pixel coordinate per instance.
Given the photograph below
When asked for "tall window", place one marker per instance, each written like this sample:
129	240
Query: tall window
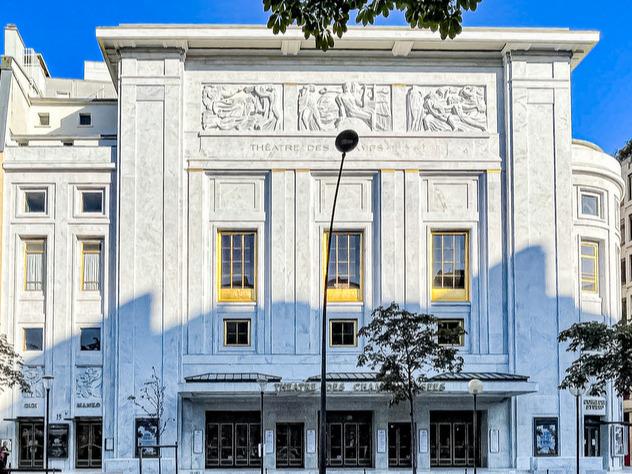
623	272
450	266
237	266
349	439
622	231
289	445
399	452
232	439
624	309
91	265
89	443
590	266
35	251
31	438
345	266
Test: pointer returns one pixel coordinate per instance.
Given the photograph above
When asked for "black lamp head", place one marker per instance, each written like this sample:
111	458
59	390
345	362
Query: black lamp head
346	141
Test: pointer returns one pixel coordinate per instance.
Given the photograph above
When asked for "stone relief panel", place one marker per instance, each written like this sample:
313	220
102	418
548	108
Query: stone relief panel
89	381
242	107
33	376
332	107
446	109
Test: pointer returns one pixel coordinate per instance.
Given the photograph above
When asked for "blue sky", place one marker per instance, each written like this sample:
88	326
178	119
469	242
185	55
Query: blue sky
63	30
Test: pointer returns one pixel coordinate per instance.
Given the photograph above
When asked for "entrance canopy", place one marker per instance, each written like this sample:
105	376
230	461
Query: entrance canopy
357	384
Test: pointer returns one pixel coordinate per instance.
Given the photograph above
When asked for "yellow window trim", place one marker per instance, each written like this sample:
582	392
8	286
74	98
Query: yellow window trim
344	295
450	294
85	251
235	295
355	332
594	246
236	321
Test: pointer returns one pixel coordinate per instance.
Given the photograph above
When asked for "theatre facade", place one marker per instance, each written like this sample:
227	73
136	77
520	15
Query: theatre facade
214	164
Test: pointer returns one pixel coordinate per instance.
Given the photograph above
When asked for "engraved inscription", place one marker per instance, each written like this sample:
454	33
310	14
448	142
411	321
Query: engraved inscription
446	109
242	107
354	105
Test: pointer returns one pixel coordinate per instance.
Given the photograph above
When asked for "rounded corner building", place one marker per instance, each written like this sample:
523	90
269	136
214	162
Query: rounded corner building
163	225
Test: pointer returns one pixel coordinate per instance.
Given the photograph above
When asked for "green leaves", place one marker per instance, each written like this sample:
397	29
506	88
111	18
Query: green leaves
11	374
322	19
604	355
403	348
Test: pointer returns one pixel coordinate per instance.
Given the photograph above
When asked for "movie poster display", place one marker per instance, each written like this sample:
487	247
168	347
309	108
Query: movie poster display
147	435
545	436
58	440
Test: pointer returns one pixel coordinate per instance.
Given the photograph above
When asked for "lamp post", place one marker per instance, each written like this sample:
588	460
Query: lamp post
577	392
47	380
262	387
475	387
346	141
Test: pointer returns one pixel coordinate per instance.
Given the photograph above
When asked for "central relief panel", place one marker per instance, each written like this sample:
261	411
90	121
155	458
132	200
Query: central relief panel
349	105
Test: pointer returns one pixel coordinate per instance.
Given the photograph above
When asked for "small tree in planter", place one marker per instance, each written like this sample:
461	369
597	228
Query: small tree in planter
403	347
152	401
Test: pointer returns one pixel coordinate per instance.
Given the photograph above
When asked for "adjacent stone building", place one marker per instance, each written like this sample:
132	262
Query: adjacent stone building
167	215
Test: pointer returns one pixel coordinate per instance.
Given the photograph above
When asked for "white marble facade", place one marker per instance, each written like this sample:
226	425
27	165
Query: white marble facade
223	128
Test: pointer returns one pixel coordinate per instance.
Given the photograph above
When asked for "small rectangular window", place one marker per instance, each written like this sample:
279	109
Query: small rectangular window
33	339
44	119
345	266
90	339
92	202
590	266
590	205
451	332
85	120
237	266
236	332
91	265
35	202
630	226
630	186
34	255
450	271
343	332
622	231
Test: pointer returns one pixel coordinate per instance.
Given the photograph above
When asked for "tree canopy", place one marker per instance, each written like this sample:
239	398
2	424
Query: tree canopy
11	367
624	152
322	19
604	355
404	347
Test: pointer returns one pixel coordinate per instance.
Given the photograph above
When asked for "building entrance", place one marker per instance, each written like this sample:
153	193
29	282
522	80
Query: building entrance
452	439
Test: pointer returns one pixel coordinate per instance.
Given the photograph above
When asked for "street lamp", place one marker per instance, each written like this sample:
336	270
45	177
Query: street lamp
47	380
346	141
577	392
475	387
262	387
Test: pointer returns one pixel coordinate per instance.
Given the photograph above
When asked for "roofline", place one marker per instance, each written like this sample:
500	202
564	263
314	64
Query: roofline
401	40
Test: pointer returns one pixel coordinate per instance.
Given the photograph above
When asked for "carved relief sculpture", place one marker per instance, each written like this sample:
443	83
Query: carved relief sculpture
446	109
243	108
362	106
33	376
88	382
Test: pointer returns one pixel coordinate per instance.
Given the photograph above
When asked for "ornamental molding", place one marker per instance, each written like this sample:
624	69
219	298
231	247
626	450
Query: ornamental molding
349	105
88	382
242	107
33	376
446	109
